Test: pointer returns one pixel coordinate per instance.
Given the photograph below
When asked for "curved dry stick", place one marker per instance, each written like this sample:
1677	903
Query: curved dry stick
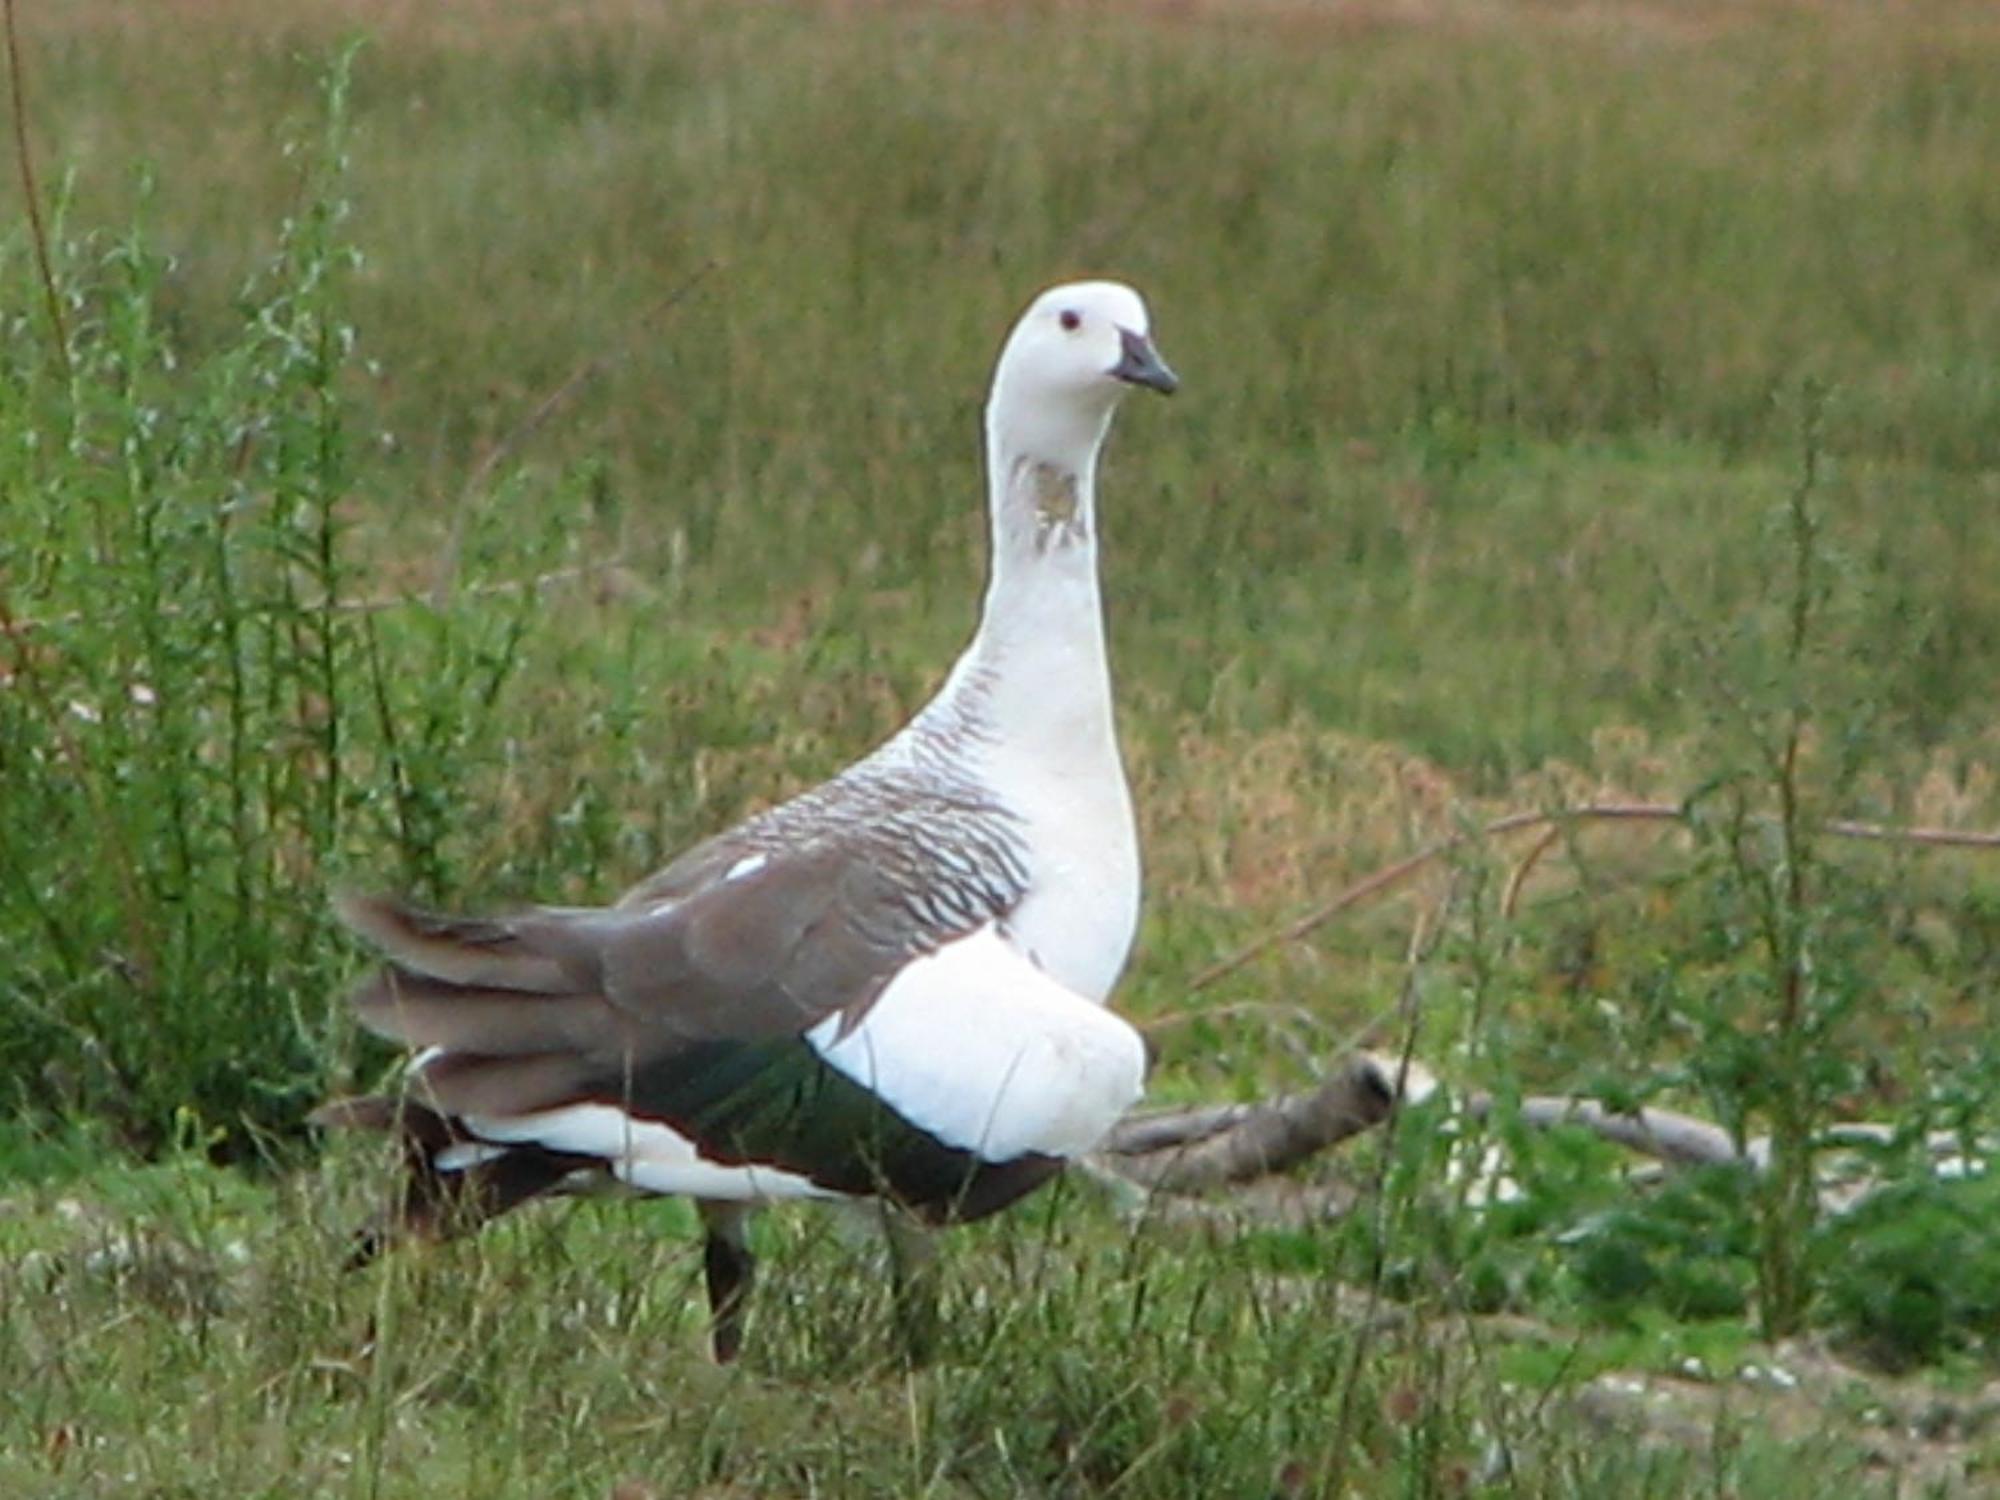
1391	876
1267	1138
1142	1133
1518	880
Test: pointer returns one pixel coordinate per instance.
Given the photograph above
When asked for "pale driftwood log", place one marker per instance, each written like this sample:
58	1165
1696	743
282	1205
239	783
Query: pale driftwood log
1182	1151
1664	1134
1188	1150
1683	1140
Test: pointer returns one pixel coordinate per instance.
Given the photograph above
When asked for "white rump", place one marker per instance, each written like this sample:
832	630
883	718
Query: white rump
977	1046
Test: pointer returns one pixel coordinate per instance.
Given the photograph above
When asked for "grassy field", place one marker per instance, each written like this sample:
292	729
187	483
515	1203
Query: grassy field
486	465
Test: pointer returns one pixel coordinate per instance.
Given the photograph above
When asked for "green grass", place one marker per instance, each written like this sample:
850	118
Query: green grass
1507	338
182	1334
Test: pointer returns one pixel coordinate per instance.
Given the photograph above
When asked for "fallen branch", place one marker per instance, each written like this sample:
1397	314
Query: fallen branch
1664	1134
1191	1150
1183	1151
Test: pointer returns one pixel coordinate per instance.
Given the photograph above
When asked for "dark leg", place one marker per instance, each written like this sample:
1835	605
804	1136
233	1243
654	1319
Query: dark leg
728	1267
913	1274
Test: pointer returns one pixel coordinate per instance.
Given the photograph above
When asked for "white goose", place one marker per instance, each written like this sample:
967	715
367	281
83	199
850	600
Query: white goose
888	987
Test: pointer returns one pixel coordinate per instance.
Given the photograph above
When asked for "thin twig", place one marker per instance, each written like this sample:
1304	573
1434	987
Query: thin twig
32	194
528	426
1518	880
1391	876
1942	838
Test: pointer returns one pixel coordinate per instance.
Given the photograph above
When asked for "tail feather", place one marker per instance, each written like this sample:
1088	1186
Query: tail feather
422	1011
496	986
465	1083
482	952
513	1005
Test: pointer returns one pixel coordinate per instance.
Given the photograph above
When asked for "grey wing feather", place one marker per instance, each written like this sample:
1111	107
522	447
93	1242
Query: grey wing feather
812	931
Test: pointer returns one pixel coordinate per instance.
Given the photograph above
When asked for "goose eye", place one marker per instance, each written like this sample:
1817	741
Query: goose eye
1071	320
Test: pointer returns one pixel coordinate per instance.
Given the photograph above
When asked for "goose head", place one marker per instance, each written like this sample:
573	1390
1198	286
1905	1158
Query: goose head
1077	349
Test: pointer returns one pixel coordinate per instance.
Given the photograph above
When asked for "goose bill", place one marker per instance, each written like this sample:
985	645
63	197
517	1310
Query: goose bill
1140	364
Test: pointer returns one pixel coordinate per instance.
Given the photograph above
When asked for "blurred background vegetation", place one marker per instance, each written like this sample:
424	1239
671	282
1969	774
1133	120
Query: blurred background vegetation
484	464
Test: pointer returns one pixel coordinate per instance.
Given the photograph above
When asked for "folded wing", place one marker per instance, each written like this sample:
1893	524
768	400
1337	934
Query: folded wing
791	1026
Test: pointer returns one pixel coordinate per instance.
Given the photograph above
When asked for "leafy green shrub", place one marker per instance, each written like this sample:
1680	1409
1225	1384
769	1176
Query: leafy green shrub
1686	1249
1912	1273
194	723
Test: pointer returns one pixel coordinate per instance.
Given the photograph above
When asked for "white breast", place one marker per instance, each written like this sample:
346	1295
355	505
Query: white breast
1037	682
1054	764
1081	912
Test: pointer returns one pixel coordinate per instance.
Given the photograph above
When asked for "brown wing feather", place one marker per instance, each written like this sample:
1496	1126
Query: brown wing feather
759	933
768	954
